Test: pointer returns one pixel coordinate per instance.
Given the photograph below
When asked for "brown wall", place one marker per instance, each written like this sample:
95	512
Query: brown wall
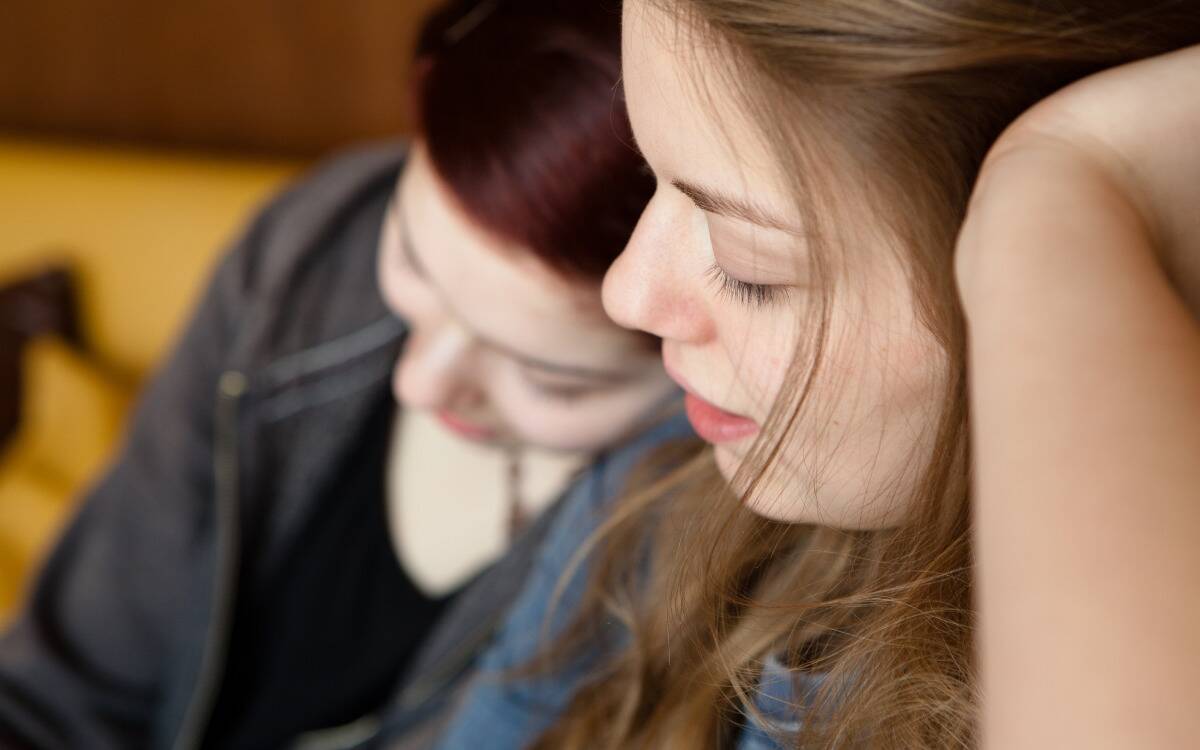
277	76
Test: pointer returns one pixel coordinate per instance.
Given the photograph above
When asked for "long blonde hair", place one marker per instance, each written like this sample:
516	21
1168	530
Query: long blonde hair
913	92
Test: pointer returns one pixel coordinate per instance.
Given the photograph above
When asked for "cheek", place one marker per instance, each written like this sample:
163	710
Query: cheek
866	426
407	296
392	285
894	362
862	445
760	346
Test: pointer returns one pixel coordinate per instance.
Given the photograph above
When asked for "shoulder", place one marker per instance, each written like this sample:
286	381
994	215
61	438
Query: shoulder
304	270
344	179
559	575
340	196
609	474
780	701
606	479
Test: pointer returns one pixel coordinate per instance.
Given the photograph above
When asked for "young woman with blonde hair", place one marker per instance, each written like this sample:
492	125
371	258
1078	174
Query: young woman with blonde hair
962	447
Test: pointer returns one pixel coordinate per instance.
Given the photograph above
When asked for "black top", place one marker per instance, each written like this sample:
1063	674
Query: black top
328	639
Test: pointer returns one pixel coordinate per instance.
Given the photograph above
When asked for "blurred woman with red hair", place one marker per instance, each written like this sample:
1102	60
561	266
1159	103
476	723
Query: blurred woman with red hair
332	491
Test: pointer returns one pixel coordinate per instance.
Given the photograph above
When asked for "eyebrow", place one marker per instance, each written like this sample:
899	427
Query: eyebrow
716	203
606	377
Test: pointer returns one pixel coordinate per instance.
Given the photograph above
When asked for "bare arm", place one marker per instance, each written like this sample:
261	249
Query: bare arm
1076	273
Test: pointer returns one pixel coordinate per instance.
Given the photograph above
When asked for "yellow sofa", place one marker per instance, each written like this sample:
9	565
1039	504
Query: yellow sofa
139	231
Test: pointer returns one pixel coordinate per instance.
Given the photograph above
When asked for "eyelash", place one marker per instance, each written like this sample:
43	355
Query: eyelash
742	291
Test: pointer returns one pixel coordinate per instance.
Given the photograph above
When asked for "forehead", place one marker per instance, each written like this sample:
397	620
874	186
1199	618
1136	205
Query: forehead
688	114
500	291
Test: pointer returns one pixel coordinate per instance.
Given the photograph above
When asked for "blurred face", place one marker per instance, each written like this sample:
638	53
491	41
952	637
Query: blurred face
719	267
500	348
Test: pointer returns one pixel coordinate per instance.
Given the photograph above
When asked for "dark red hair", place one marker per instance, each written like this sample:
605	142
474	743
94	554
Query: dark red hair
521	107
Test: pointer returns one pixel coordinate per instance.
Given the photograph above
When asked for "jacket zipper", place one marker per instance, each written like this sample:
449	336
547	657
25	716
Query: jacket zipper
230	389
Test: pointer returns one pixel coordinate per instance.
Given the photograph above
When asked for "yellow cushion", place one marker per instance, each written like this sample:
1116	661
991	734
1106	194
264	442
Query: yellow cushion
140	229
31	512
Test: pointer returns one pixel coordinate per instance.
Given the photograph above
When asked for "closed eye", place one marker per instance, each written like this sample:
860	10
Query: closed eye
744	291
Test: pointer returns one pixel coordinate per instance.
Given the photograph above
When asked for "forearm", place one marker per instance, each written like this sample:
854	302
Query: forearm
1085	387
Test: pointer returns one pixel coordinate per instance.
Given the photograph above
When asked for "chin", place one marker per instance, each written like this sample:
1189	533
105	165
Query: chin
775	505
727	462
778	500
783	505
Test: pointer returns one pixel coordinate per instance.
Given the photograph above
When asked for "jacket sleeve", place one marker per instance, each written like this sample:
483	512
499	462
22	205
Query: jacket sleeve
82	664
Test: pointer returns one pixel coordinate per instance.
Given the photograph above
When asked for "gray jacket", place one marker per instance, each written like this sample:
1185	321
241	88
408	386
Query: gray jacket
123	641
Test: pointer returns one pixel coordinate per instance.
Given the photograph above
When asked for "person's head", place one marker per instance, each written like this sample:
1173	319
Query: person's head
749	288
814	163
519	191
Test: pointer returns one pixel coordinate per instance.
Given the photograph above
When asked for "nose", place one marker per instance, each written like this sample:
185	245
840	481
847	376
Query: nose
435	370
656	284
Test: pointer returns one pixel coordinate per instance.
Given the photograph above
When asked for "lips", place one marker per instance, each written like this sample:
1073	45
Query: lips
714	424
463	428
711	422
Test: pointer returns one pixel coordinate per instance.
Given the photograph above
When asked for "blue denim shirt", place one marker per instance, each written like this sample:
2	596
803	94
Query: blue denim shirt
502	712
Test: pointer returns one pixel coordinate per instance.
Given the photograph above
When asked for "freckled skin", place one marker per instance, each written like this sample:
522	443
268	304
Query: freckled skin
870	412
